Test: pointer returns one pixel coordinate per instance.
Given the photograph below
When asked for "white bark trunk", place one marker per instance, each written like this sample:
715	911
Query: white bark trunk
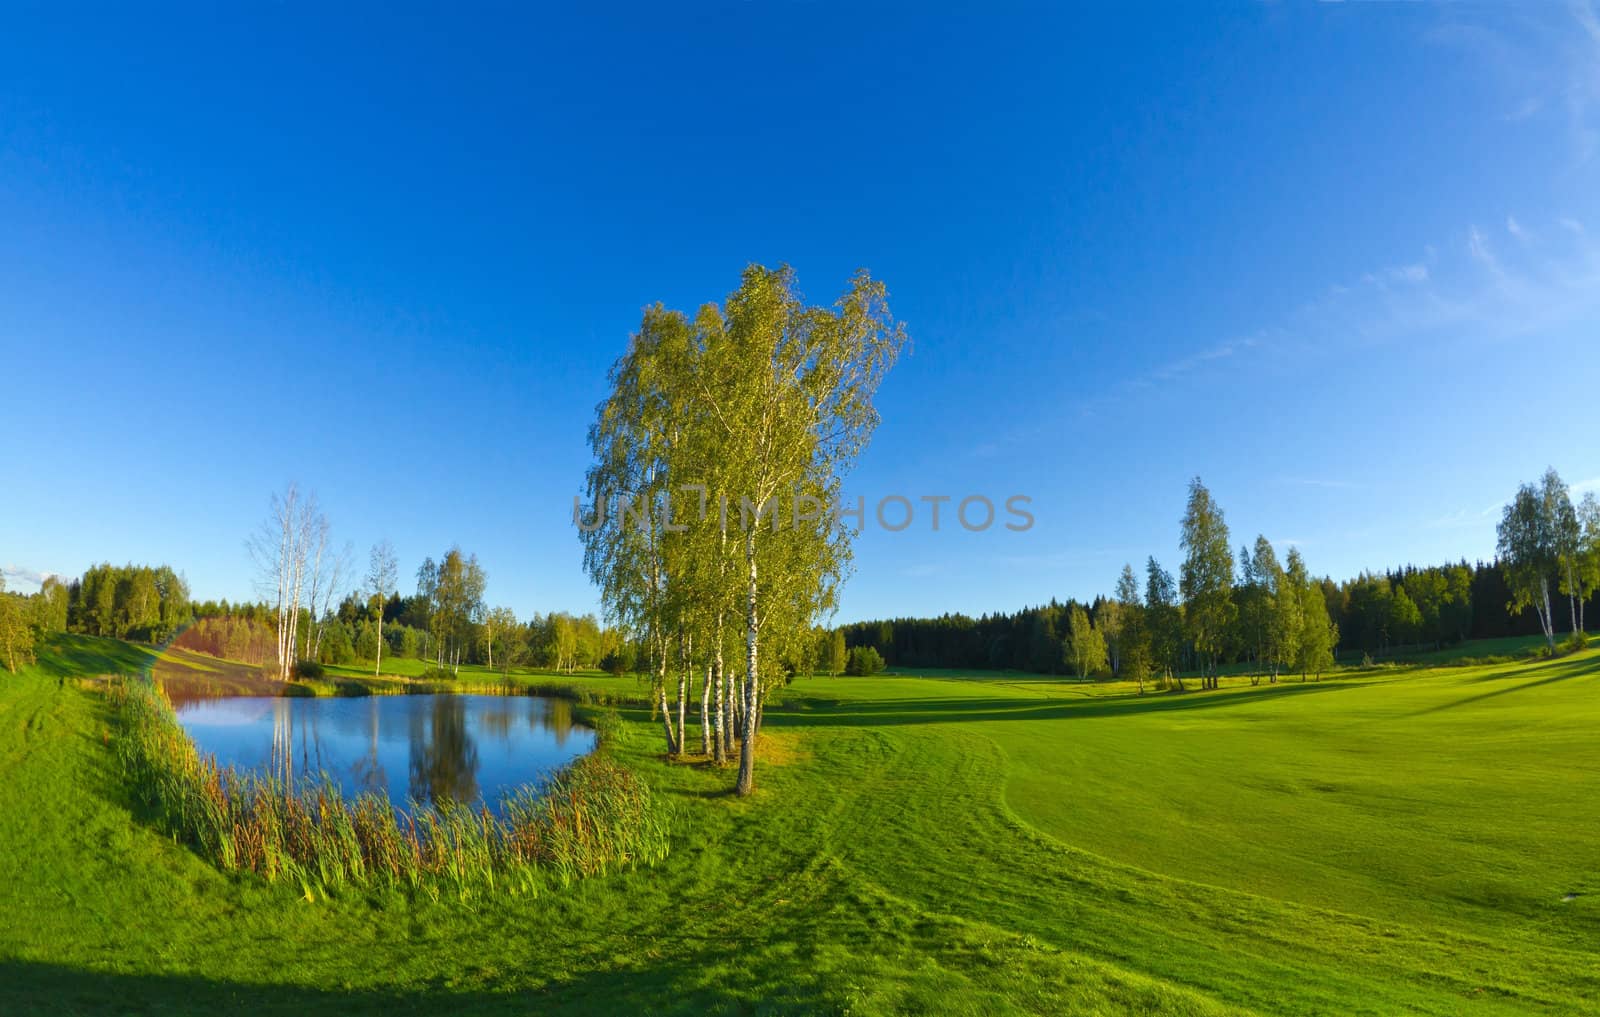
747	742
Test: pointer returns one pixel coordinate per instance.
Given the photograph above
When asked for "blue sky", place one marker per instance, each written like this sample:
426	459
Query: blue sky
1341	261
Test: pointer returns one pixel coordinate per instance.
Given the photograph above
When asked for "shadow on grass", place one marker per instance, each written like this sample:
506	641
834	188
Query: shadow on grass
1567	666
1550	672
40	988
72	656
963	710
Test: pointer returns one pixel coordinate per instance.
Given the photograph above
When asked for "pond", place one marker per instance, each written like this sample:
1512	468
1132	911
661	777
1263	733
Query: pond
463	748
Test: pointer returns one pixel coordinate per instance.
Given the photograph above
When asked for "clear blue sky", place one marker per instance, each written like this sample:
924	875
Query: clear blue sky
1342	261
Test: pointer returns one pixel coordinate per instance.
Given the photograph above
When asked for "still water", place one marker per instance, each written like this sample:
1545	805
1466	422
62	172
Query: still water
466	748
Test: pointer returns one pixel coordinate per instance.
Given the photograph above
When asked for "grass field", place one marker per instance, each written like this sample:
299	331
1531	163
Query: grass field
1404	840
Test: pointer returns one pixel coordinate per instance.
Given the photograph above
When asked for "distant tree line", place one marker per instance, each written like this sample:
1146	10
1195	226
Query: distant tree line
137	602
1250	607
413	627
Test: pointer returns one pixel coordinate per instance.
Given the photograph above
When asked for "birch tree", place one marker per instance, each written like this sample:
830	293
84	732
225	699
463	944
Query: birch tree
1527	549
623	538
1163	619
742	421
1086	644
279	548
16	636
1206	579
499	623
791	393
1567	531
1588	571
383	582
327	568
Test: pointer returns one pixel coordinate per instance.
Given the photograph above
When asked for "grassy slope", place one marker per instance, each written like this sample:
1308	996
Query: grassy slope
1398	843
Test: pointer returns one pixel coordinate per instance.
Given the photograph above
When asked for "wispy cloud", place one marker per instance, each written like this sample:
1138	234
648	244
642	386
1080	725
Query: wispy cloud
1478	285
1185	365
1054	560
1465	518
1490	289
1325	483
1583	81
1545	59
21	579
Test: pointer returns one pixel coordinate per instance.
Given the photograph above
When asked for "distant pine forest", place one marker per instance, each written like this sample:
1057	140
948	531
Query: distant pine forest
1383	615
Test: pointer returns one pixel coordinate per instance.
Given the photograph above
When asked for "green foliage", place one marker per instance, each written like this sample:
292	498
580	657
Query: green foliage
16	630
864	661
1529	547
336	647
308	670
437	675
1207	576
450	595
368	643
618	662
1085	644
717	453
130	602
837	657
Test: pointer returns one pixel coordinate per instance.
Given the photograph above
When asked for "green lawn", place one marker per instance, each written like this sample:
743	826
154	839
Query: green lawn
1393	841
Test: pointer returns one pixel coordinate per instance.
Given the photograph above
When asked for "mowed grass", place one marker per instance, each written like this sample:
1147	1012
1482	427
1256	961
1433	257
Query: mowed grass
1396	841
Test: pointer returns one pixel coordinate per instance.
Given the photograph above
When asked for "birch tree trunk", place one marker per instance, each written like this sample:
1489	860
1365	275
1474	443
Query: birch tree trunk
683	711
705	710
666	715
720	750
747	741
1546	618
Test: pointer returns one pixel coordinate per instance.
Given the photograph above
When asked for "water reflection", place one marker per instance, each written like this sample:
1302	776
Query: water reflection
444	759
462	748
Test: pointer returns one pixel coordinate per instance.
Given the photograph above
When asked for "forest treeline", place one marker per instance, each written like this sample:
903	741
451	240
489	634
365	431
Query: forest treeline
151	604
1377	614
138	602
1221	608
491	637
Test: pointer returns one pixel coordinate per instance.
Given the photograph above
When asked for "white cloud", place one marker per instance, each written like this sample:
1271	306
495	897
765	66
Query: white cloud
1321	482
1544	58
21	579
1221	351
1478	247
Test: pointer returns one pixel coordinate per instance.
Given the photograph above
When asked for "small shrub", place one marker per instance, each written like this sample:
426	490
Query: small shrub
864	661
1577	641
437	674
617	663
308	670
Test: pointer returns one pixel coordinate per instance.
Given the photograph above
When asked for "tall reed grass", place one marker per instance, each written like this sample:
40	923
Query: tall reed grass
593	817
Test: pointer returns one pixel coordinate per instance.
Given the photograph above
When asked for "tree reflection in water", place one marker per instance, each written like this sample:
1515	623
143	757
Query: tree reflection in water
444	757
367	770
553	715
470	748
